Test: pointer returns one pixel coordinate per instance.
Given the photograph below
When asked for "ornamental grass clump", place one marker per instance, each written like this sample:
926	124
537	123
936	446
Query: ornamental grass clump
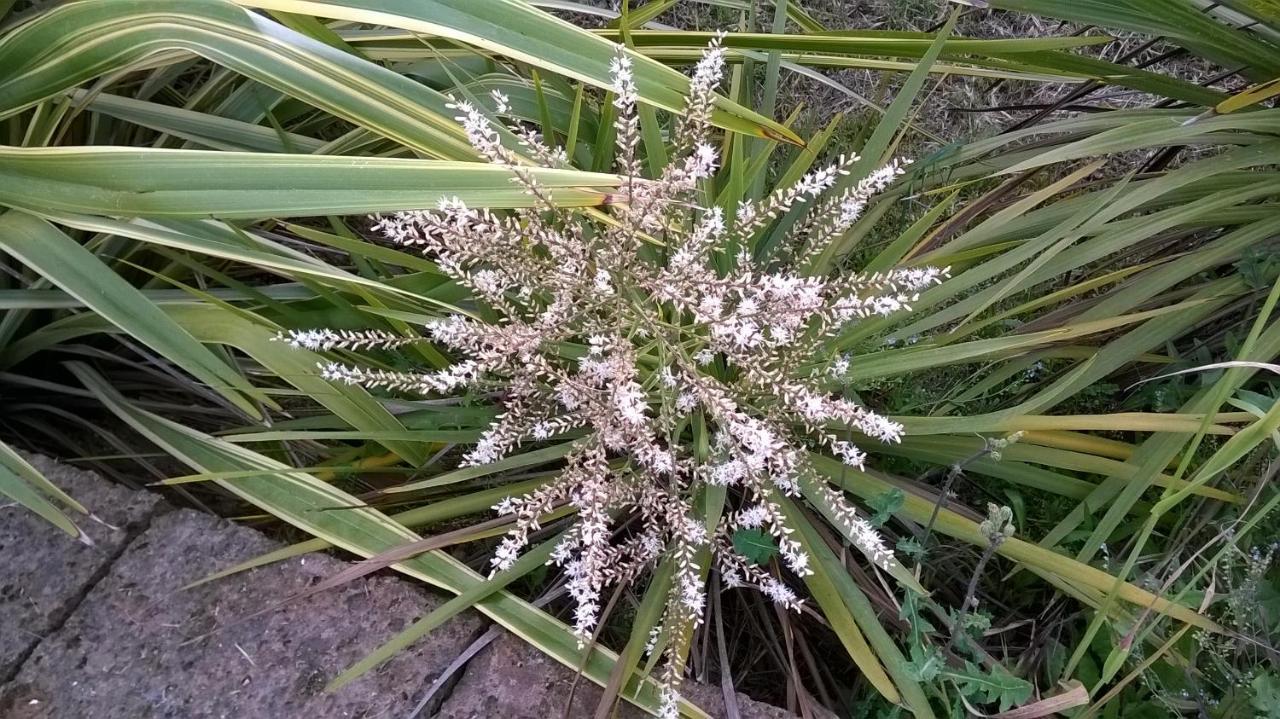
676	359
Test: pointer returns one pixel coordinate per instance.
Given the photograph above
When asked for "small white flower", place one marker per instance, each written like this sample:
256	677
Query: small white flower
603	283
778	592
753	517
704	161
839	367
849	454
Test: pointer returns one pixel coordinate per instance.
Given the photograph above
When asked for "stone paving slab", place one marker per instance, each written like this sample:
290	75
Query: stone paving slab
122	653
512	680
103	632
46	573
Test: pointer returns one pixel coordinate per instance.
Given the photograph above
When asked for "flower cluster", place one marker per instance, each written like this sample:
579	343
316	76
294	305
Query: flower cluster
679	359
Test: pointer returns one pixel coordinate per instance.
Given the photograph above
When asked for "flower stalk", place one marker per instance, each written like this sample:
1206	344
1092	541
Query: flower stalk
599	332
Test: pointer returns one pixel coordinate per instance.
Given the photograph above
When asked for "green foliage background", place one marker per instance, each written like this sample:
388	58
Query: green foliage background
183	179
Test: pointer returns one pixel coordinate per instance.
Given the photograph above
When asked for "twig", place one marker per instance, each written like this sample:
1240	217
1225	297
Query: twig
726	671
953	473
977	572
467	654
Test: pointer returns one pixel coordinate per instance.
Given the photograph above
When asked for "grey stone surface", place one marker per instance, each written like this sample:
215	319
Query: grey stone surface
122	653
106	632
512	680
45	573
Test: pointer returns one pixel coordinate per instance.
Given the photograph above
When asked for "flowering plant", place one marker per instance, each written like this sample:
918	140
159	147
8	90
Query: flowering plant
679	359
